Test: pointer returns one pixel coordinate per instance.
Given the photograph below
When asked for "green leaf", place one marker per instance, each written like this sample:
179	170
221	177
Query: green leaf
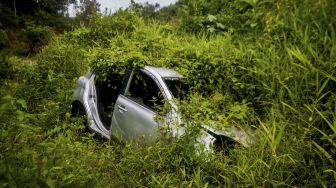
212	18
23	103
324	152
50	182
21	115
220	26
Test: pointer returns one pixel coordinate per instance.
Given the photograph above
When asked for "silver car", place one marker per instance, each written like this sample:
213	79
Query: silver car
129	108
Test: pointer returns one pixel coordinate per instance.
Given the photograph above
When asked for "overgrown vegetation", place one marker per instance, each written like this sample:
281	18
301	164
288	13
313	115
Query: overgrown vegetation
269	65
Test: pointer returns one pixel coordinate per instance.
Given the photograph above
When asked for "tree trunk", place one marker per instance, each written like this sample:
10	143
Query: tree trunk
14	8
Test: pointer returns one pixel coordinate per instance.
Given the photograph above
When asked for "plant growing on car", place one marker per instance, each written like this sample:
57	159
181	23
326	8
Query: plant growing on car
273	70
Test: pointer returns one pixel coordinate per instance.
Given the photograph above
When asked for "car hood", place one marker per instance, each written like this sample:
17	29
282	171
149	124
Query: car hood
206	141
209	134
241	135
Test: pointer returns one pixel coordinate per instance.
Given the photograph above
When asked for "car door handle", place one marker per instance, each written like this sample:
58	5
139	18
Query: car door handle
122	108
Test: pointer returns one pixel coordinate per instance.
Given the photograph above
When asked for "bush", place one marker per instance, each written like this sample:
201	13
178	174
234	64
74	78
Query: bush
6	68
54	74
37	37
4	41
13	67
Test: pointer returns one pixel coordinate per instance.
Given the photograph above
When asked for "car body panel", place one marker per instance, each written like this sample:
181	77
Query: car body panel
132	121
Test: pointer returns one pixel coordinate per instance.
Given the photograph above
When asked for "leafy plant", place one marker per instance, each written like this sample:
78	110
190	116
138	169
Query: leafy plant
270	69
37	36
4	41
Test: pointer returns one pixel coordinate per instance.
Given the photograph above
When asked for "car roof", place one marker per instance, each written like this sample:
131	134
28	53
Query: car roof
164	72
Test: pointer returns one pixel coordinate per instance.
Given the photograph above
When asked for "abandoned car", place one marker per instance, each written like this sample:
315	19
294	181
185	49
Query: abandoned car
127	111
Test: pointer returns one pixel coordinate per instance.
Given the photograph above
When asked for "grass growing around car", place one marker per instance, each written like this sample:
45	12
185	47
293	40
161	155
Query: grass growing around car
272	69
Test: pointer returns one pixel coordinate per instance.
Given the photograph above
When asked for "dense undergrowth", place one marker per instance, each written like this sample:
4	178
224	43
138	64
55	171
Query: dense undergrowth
269	65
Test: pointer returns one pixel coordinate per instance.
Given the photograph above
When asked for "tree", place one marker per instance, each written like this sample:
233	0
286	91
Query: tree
32	7
87	8
147	10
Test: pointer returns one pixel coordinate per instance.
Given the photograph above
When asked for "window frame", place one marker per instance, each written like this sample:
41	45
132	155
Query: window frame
151	76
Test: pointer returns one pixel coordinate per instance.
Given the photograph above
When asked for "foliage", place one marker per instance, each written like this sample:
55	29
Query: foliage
12	67
146	10
32	7
5	67
269	65
37	36
4	41
87	9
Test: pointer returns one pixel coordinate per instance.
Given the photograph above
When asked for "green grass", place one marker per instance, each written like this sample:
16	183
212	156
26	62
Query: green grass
273	70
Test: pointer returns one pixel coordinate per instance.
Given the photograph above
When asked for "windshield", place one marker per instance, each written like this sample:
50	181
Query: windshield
178	87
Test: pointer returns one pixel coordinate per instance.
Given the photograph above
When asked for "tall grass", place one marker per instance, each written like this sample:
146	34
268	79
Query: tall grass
273	70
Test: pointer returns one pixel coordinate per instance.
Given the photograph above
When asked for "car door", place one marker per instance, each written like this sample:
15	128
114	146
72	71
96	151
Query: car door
135	110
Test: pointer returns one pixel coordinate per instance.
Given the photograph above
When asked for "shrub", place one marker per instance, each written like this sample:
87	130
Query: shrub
4	41
6	68
37	37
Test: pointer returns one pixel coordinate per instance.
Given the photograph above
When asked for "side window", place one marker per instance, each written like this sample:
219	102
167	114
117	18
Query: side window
144	91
